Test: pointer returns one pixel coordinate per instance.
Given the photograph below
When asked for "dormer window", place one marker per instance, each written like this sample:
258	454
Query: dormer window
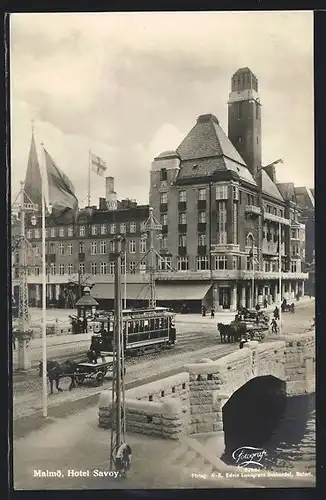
164	174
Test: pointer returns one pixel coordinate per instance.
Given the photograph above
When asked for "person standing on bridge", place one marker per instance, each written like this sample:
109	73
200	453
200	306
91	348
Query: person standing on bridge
212	313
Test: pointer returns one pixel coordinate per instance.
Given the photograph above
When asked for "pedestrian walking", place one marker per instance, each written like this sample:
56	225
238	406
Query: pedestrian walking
257	307
276	313
265	303
274	325
212	313
203	311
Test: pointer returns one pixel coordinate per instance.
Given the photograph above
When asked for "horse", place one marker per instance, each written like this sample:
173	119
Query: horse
230	333
56	371
222	329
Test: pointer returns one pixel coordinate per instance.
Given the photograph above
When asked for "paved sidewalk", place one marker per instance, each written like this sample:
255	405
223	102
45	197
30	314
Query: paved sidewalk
77	444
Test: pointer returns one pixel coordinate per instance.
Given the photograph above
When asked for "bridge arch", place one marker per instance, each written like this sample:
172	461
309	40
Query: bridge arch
252	413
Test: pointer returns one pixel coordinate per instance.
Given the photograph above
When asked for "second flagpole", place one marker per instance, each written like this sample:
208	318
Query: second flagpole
89	179
44	347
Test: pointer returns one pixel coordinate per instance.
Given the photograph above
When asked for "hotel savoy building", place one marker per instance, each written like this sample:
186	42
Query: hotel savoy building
220	210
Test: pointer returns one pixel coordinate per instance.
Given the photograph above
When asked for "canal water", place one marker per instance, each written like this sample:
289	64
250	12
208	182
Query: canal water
293	442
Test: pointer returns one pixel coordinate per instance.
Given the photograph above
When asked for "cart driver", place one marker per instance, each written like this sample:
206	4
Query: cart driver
94	350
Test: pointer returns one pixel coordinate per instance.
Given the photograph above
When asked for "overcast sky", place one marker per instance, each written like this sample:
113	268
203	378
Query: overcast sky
128	86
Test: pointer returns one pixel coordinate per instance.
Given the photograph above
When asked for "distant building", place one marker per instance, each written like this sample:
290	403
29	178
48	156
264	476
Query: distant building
306	200
206	196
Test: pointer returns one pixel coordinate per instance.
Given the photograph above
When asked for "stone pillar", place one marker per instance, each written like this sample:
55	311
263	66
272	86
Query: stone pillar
215	295
256	295
302	288
38	294
233	304
274	293
57	292
283	291
24	362
296	288
243	296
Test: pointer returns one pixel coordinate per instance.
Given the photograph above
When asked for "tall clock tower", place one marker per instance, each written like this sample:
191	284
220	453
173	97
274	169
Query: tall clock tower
244	118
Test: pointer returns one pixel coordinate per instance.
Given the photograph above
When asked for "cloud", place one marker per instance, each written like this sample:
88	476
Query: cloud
130	85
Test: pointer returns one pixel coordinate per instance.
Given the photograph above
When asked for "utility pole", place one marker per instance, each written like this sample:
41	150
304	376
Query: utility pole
118	425
24	205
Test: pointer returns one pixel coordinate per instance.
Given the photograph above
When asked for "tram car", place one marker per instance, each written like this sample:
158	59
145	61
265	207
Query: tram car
144	330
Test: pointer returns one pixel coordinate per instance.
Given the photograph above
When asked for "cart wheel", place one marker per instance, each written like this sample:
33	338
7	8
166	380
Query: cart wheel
79	378
99	378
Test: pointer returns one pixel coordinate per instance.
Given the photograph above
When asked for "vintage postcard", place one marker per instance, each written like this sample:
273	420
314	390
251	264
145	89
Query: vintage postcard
163	262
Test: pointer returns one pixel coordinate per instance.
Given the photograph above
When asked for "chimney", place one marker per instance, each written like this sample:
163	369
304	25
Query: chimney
110	194
271	172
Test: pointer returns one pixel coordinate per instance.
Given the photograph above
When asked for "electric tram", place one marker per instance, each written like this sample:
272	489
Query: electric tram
143	330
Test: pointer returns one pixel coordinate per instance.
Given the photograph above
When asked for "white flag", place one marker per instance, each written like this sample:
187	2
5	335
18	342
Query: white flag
98	165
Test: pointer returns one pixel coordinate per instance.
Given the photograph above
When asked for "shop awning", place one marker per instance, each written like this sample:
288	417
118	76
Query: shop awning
181	291
135	291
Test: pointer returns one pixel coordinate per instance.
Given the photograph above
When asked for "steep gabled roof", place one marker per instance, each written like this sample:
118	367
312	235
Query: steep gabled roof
207	149
287	190
305	197
33	181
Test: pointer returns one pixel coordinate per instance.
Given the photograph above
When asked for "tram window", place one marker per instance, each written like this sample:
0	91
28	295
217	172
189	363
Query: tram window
157	324
146	325
161	323
136	327
130	326
165	322
141	325
111	326
124	328
152	324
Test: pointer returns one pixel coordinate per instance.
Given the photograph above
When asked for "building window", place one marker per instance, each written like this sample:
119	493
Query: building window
235	193
164	264
257	112
222	192
93	248
202	262
123	228
36	250
103	248
61	269
202	194
111	267
81	247
164	174
142	267
267	266
234	262
164	198
182	196
69	249
164	219
70	231
202	217
202	240
143	226
52	269
70	268
142	246
52	232
37	233
61	231
132	266
29	234
221	222
61	249
37	271
239	110
220	262
182	240
132	246
112	246
52	248
132	227
103	229
81	268
235	223
182	218
123	267
82	231
293	267
94	230
164	242
183	264
46	233
112	228
104	268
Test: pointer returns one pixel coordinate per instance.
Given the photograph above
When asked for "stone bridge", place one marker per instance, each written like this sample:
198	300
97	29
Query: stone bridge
191	402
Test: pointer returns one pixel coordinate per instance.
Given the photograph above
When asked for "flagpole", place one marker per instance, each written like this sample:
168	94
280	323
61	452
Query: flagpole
44	353
280	274
89	178
125	276
253	277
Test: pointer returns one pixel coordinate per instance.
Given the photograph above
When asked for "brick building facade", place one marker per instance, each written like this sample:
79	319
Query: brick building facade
214	210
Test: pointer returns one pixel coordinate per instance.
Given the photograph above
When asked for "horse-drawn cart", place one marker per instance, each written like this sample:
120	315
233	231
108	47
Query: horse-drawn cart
94	371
